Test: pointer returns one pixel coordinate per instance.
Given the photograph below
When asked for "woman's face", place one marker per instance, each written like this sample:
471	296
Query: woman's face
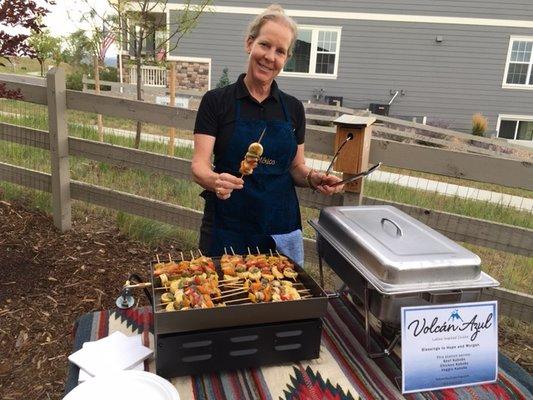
268	52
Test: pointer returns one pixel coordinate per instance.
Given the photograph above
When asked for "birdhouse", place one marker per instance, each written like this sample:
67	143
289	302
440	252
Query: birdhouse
355	132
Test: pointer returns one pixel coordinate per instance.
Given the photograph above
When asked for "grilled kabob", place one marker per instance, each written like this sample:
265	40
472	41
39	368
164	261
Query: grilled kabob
266	291
195	292
229	265
251	159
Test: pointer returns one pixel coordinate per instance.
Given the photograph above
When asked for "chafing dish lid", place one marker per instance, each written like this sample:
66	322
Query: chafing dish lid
391	248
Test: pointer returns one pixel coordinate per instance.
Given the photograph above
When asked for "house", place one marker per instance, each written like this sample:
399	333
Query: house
433	62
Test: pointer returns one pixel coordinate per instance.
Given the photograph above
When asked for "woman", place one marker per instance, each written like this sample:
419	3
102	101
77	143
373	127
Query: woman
259	210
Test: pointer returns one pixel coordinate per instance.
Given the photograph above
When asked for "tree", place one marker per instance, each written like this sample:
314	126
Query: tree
25	14
149	37
78	49
45	46
224	79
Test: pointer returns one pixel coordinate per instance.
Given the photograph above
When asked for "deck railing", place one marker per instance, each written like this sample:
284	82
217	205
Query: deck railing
150	76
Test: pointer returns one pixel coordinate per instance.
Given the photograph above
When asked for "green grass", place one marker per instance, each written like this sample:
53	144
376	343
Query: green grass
512	271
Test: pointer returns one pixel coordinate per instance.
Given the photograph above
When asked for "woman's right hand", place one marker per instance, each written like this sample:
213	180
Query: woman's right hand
225	184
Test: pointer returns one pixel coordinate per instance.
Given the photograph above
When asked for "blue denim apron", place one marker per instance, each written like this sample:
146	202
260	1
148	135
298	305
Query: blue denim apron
267	204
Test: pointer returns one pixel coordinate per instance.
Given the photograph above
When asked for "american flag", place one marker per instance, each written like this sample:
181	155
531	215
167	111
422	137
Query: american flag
109	38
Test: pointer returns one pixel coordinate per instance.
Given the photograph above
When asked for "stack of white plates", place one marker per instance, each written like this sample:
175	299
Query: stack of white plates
131	385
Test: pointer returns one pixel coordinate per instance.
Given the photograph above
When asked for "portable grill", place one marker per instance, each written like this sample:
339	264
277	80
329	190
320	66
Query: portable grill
390	260
239	335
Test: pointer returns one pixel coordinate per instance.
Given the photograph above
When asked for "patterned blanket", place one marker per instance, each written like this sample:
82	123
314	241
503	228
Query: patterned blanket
343	371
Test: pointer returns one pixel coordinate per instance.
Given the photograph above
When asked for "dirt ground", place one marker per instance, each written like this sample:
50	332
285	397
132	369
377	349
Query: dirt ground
49	279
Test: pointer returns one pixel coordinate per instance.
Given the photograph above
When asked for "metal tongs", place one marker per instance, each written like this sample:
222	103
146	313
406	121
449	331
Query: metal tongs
357	176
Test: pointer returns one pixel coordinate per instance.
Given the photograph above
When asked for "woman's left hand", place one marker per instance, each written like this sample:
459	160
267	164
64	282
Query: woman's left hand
323	183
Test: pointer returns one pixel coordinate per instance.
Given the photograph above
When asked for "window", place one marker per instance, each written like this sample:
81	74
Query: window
518	69
515	128
316	53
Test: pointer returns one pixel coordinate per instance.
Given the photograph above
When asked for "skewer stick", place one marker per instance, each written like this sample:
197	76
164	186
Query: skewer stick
157	258
232	290
236	300
230	295
169	258
307	296
229	280
138	285
192	255
271	254
232	252
225	251
200	251
182	258
303	291
258	252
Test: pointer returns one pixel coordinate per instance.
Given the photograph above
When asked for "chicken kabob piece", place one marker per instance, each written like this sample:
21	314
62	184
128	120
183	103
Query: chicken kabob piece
251	159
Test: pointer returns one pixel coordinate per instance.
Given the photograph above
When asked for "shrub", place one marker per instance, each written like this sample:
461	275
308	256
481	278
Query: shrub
74	80
479	124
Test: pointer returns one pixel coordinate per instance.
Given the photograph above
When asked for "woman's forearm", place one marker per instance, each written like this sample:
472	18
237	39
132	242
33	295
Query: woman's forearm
299	174
204	175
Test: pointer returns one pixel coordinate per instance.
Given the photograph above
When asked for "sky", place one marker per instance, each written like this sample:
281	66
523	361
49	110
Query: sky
64	17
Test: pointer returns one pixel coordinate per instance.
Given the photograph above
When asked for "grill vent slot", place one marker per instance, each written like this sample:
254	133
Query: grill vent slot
192	345
289	333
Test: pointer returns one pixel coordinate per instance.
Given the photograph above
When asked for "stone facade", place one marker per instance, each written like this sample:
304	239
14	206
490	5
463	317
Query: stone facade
192	75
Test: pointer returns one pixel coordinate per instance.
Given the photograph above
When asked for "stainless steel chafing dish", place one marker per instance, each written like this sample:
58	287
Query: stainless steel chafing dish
390	260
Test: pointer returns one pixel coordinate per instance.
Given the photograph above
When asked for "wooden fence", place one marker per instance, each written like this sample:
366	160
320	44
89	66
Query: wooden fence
319	139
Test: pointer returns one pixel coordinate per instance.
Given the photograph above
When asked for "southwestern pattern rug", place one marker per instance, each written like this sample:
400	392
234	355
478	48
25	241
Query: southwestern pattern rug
343	371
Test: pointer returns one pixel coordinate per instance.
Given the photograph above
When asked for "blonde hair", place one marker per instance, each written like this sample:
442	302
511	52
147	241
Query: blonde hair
274	13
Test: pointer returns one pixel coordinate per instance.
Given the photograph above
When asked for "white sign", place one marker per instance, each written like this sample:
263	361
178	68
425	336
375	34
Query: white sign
447	346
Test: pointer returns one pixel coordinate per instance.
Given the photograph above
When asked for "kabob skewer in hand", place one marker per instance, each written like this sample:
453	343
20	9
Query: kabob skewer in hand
251	159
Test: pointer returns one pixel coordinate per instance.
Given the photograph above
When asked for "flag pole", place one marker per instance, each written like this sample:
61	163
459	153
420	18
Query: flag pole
121	37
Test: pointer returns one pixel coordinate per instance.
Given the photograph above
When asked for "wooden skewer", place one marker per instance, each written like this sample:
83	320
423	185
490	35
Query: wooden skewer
236	300
192	255
249	252
232	290
232	252
230	280
169	258
271	254
157	258
138	285
200	251
182	258
307	296
229	295
225	251
258	252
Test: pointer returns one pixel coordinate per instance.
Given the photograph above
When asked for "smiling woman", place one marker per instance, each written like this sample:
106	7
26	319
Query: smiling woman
246	210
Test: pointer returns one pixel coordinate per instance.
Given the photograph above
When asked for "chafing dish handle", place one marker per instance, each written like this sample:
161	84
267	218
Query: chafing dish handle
452	296
399	231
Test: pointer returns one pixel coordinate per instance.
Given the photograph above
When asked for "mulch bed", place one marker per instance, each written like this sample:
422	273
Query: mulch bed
48	279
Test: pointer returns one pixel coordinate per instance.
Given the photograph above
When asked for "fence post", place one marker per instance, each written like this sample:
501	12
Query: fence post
353	134
172	102
56	94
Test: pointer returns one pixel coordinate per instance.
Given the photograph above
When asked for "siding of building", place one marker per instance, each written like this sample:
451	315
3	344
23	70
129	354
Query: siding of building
447	82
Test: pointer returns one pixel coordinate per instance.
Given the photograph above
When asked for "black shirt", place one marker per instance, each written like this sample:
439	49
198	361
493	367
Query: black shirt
216	114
